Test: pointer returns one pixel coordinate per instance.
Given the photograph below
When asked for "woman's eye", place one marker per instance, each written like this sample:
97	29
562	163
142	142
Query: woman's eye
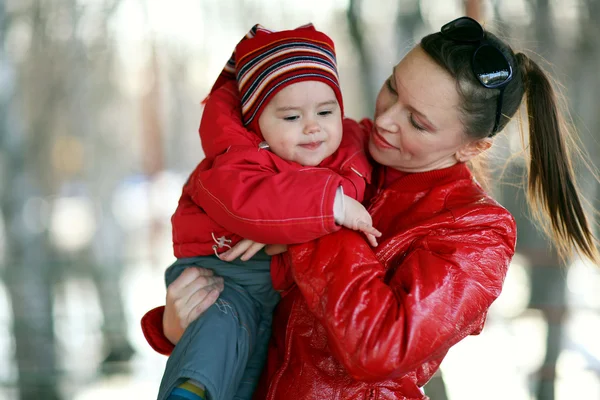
291	118
388	83
415	124
325	113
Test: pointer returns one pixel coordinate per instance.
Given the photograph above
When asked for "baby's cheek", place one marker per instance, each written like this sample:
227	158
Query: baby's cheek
283	149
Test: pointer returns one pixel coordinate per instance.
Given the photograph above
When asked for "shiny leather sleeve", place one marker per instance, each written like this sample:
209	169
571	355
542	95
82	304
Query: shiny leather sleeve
384	323
153	331
221	124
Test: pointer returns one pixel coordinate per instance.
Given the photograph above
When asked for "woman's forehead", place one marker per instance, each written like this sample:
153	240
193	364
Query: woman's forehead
425	83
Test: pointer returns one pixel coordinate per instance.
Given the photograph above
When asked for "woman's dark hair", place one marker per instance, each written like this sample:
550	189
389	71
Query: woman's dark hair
552	191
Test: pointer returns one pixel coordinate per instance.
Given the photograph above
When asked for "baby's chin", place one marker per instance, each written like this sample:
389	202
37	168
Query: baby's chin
314	161
311	163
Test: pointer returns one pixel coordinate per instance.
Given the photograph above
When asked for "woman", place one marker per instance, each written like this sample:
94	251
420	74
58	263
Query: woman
376	323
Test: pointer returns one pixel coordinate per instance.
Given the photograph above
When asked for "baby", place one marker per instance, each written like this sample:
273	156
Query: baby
282	172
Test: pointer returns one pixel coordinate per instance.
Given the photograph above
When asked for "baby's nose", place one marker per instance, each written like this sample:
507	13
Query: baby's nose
311	127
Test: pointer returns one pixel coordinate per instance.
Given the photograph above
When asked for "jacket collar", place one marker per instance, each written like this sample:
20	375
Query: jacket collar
425	180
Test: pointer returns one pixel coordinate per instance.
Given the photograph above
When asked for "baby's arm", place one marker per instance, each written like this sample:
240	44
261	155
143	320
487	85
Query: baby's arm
259	196
352	163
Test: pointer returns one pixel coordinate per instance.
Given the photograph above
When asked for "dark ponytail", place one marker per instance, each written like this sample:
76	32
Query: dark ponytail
552	192
551	185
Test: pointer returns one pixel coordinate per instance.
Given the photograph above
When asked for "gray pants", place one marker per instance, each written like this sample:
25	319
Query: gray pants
226	348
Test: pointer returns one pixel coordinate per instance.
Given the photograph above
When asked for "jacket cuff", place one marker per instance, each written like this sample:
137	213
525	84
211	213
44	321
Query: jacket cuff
153	331
338	206
328	208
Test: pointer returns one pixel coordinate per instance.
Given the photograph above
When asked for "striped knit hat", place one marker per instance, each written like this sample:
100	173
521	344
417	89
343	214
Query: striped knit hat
264	62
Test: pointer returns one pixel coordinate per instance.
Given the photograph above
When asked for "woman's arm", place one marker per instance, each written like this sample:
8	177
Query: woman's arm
384	326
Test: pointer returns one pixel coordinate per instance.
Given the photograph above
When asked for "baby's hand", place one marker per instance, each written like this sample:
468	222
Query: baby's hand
356	217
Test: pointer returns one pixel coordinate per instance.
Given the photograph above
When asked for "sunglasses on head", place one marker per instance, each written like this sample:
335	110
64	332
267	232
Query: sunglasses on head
489	64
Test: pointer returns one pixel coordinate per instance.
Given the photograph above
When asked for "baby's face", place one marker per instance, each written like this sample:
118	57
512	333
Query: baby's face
303	123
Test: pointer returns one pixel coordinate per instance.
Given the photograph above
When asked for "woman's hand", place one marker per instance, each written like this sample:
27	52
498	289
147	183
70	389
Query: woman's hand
274	249
246	248
188	296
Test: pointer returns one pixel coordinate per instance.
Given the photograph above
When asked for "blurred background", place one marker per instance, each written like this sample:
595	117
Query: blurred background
99	111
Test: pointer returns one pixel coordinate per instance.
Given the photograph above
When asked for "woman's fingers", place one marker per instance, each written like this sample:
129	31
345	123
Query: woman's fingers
188	297
190	289
199	302
274	249
252	250
190	280
245	248
188	276
203	305
236	251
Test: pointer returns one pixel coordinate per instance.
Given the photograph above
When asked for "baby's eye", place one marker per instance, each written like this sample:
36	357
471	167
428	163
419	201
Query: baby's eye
291	118
325	113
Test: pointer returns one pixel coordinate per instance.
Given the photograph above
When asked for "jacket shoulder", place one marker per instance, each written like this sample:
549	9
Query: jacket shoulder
471	207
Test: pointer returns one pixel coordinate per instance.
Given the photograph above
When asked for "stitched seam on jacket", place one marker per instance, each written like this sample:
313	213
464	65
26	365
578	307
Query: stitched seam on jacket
273	221
351	157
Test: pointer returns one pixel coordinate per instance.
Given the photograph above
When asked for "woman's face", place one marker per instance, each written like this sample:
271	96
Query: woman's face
417	126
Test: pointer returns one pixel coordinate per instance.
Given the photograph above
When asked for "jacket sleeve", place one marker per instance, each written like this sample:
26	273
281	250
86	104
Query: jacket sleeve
258	196
153	331
221	124
384	326
254	193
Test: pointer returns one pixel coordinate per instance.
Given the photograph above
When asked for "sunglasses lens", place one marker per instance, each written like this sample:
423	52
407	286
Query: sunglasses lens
463	30
491	67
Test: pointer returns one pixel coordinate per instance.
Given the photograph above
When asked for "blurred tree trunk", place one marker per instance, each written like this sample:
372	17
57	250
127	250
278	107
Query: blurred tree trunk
358	41
153	157
548	275
408	20
29	254
88	94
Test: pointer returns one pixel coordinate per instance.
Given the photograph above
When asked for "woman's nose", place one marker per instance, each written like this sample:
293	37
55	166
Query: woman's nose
388	120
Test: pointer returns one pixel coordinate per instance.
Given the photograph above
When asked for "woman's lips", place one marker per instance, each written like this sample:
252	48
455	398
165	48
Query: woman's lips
380	141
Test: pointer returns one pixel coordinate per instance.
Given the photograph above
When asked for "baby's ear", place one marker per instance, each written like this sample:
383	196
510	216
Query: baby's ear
472	149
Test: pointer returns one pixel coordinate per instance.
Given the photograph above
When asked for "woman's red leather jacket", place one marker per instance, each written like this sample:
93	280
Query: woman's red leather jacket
367	323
